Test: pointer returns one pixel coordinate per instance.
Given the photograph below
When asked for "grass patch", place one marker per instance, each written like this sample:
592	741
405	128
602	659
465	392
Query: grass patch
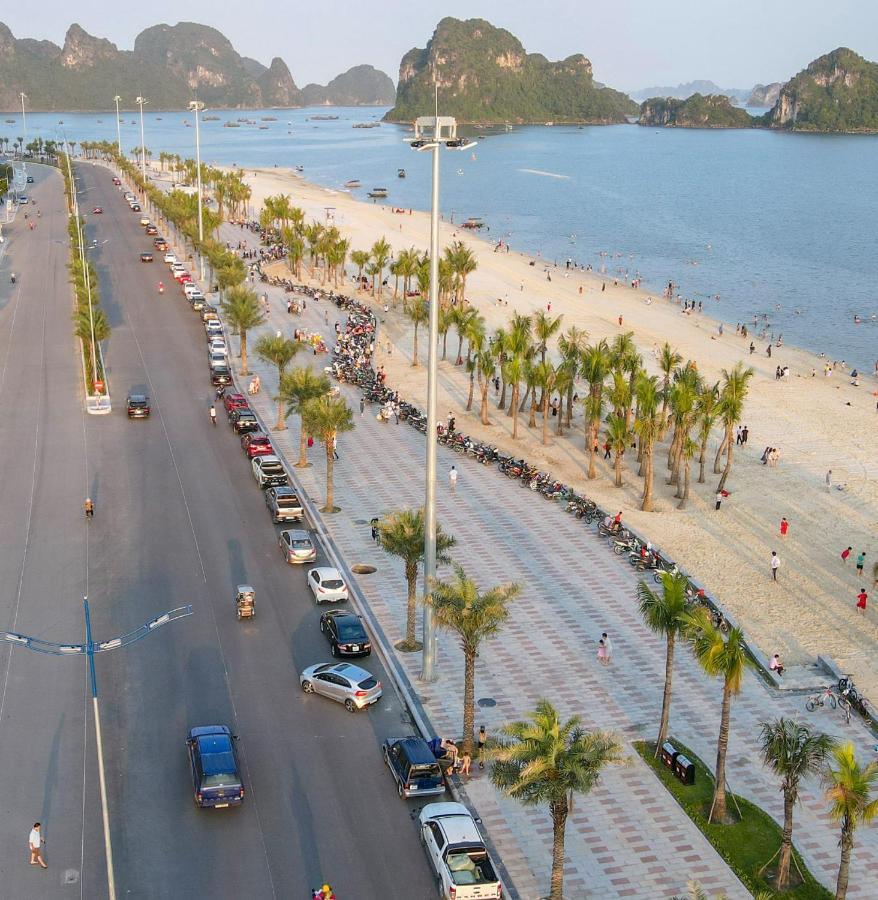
745	845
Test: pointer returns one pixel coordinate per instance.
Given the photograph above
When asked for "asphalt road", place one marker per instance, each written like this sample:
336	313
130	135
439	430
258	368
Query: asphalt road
178	520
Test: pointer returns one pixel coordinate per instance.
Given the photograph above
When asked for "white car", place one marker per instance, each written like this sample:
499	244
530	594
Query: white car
170	258
213	327
218	345
327	585
191	288
177	267
217	359
144	220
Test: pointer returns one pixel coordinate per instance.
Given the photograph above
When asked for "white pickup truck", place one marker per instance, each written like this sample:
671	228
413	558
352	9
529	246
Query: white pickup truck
457	853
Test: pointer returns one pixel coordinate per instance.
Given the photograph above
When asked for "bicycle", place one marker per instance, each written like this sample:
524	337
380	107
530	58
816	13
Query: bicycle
845	706
825	698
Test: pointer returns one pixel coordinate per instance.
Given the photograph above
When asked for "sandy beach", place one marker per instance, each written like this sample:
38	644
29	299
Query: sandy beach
818	423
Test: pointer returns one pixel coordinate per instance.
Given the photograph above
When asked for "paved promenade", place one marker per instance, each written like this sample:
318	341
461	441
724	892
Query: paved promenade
628	838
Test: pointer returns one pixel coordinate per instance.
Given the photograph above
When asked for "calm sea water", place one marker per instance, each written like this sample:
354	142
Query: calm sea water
771	223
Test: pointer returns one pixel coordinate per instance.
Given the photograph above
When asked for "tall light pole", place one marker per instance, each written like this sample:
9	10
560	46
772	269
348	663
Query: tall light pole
24	128
432	132
197	106
140	101
116	100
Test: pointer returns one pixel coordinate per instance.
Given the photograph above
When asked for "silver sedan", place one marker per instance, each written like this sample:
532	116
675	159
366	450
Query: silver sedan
342	682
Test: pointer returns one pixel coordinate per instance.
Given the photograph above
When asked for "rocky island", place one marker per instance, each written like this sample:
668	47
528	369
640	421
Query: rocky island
485	76
697	111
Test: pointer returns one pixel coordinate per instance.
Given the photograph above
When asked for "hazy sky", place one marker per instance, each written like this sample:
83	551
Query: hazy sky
631	43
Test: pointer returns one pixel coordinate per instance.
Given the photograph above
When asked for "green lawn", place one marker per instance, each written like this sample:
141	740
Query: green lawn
745	845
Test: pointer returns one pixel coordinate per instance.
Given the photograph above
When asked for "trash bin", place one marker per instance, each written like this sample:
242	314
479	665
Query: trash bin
669	753
684	769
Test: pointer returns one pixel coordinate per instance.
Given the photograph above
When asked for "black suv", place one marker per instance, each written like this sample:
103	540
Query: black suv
138	406
345	633
243	421
220	375
415	769
213	762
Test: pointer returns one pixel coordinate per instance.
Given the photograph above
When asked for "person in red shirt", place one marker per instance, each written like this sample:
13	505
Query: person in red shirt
845	554
862	597
784	526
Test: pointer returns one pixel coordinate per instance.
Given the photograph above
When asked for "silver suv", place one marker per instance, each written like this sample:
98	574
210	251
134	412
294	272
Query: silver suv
283	503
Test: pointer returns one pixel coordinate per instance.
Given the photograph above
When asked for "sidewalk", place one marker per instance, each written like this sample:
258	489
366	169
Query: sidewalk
628	838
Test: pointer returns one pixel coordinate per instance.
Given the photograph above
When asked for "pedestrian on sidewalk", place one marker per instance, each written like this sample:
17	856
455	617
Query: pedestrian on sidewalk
396	411
452	479
465	762
35	842
213	414
719	500
862	597
784	527
738	432
608	647
602	652
606	450
775	564
845	554
481	740
861	560
289	307
335	447
373	523
829	480
362	406
745	434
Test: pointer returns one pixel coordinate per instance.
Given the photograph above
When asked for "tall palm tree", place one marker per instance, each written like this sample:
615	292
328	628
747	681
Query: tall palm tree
279	351
326	417
618	437
462	263
565	375
243	311
595	368
570	345
647	427
296	388
477	342
401	534
545	327
850	788
687	451
725	657
792	751
486	368
683	399
544	761
500	348
446	320
665	614
360	258
513	371
460	607
380	254
668	360
731	409
461	318
705	412
417	313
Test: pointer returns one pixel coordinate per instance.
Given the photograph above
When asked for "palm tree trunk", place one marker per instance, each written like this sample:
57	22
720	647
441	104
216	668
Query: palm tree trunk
513	411
532	416
330	467
472	382
617	465
502	403
545	418
244	352
730	444
720	813
281	419
719	453
469	690
303	446
702	453
525	399
783	864
592	453
411	577
559	823
459	358
666	697
483	412
647	505
444	342
558	430
415	347
569	421
684	496
847	844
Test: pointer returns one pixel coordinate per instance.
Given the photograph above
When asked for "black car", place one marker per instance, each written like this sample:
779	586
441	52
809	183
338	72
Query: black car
30	179
135	207
146	257
138	406
243	421
345	632
220	375
213	761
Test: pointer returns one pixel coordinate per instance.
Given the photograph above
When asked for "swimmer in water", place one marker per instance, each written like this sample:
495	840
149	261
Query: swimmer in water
856	320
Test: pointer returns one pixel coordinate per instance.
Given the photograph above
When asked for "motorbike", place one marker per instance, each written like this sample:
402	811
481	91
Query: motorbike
161	288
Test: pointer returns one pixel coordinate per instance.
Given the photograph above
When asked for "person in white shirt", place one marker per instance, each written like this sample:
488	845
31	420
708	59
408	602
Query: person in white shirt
452	479
35	841
608	647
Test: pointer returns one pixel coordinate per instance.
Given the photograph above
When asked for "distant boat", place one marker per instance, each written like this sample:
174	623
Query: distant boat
400	173
231	125
378	193
210	118
158	118
10	121
549	124
100	121
60	121
460	171
263	128
473	223
366	125
323	118
268	118
299	168
353	183
508	127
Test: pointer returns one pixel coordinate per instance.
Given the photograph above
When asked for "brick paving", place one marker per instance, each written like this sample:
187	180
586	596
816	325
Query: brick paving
628	838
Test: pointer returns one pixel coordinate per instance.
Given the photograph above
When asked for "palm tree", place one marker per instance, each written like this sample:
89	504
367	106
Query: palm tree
570	345
731	409
486	368
460	607
296	388
687	451
683	399
595	367
360	258
513	371
462	317
792	751
647	427
724	656
544	328
618	437
279	351
668	360
706	417
418	314
850	789
544	760
326	417
666	614
446	320
462	263
401	534
243	312
380	254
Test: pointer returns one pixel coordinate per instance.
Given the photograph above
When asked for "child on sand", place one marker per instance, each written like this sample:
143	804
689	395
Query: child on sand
862	597
602	652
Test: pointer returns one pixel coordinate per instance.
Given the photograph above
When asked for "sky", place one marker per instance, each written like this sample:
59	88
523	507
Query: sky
631	43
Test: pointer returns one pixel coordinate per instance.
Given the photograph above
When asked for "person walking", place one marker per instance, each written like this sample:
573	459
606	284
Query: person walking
602	652
829	480
396	411
335	447
845	554
35	842
608	647
362	406
775	564
373	524
862	597
784	527
452	479
719	500
861	561
89	508
213	414
744	435
481	740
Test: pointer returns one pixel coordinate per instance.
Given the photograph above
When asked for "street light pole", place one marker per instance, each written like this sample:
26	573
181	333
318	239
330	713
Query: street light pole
23	128
116	99
140	101
197	107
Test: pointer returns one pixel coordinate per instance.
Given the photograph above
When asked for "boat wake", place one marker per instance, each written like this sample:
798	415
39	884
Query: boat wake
545	174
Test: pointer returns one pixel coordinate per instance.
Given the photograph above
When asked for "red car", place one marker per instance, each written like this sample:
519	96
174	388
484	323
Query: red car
116	180
256	444
235	401
97	211
183	277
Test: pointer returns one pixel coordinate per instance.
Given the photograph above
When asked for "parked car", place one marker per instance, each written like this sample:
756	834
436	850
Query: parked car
297	546
269	471
342	682
220	375
182	277
170	258
283	504
345	632
327	585
30	179
144	220
212	327
243	421
97	211
213	761
151	230
209	314
415	769
138	406
135	207
191	288
217	358
146	257
256	444
235	401
198	301
116	180
457	853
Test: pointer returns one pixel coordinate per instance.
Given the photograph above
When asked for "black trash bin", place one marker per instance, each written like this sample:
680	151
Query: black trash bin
684	769
669	753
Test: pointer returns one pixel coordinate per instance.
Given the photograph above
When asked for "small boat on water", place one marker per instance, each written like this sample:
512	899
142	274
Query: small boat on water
378	193
231	125
268	118
353	183
299	168
100	121
474	223
323	118
549	124
210	118
366	125
10	121
263	128
400	173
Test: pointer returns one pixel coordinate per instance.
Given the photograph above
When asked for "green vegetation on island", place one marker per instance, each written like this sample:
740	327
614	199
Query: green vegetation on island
697	111
484	75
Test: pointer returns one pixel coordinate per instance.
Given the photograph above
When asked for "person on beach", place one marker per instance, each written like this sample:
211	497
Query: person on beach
608	647
745	434
861	561
738	431
845	554
829	480
862	599
719	500
776	665
752	348
607	450
784	527
775	564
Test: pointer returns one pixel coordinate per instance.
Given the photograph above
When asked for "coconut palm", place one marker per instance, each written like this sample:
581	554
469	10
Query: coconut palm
618	436
647	427
279	351
570	345
380	253
499	348
478	340
705	411
595	368
230	274
459	607
401	534
446	320
723	656
682	399
792	751
544	329
850	788
326	417
731	410
360	258
665	613
297	387
461	318
687	451
418	313
668	360
565	375
544	761
486	368
462	263
243	312
513	371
